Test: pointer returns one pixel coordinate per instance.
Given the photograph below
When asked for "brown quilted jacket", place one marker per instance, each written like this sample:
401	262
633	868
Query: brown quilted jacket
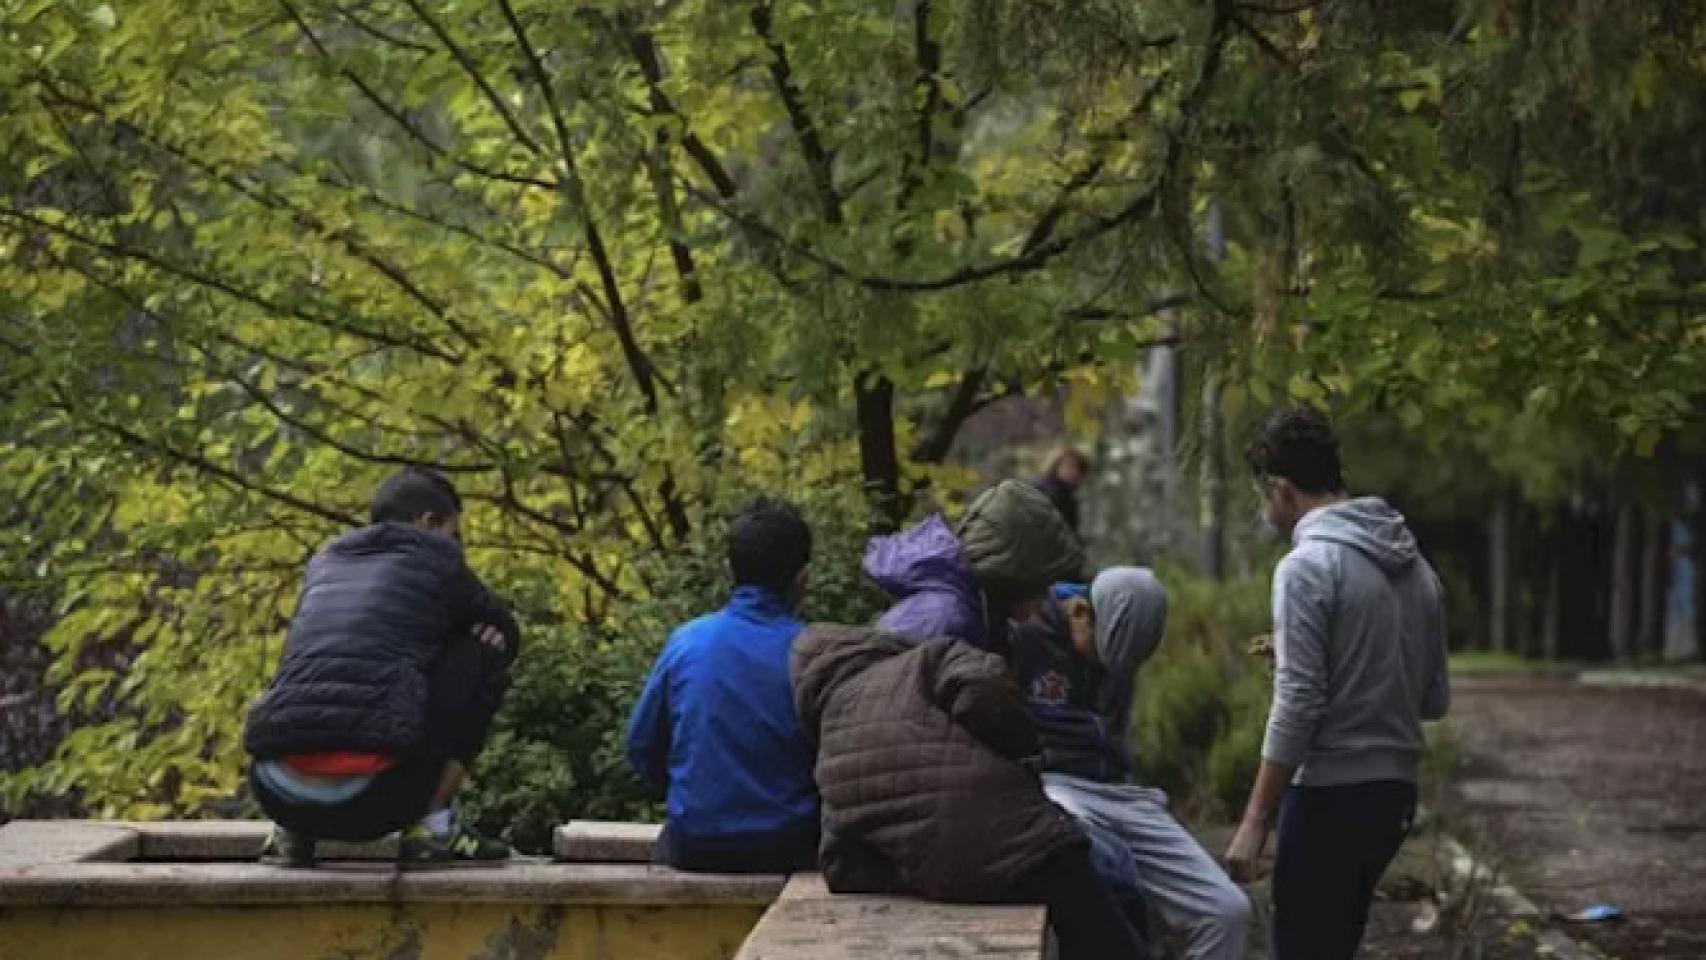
925	764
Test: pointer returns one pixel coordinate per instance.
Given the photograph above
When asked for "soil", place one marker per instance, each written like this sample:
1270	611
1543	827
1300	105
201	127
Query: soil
1577	795
1590	795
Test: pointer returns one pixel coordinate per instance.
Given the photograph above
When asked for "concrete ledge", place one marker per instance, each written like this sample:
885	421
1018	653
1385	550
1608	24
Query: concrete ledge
65	841
195	840
604	841
810	923
523	881
1639	679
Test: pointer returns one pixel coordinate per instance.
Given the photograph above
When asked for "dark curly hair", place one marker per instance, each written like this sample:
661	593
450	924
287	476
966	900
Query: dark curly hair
769	544
1298	445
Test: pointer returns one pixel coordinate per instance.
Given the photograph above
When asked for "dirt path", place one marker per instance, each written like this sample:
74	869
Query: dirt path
1592	795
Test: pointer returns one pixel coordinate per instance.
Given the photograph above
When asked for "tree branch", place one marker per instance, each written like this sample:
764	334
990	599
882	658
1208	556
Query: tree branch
379	34
928	55
202	464
1269	10
472	69
934	446
644	49
398	117
575	191
819	163
230	289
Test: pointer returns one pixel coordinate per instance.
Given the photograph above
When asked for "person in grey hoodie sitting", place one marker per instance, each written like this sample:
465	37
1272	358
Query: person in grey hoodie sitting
1360	663
1077	665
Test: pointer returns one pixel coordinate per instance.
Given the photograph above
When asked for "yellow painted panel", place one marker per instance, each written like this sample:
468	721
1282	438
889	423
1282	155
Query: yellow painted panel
418	931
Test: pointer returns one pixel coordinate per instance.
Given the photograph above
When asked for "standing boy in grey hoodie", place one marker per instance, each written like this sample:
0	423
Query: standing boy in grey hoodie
1360	663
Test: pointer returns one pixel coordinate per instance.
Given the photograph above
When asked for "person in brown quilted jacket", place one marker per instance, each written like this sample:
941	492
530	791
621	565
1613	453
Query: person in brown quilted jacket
927	764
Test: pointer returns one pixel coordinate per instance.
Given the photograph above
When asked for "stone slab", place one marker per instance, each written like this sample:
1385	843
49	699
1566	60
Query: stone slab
809	923
520	881
202	840
604	841
65	841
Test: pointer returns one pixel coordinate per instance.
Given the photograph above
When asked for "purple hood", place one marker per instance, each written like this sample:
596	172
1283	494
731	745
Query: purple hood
926	571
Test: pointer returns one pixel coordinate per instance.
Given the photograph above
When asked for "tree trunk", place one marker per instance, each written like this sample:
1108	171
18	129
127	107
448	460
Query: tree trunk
1655	576
1499	576
1620	629
879	462
1551	607
1214	482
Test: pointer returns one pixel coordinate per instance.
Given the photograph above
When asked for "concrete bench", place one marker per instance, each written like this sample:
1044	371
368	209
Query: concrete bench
174	891
807	922
193	891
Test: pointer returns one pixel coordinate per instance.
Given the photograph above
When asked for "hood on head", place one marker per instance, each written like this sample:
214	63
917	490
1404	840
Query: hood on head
1368	525
928	556
1014	537
1131	615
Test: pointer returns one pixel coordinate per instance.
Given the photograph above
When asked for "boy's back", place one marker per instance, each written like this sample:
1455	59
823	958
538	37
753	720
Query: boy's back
377	605
715	731
738	761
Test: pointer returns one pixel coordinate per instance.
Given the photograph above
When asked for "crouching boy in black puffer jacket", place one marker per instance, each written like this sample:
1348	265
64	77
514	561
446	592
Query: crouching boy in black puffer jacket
395	663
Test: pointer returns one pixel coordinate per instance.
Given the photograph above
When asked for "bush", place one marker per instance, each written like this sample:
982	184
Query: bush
1203	699
558	749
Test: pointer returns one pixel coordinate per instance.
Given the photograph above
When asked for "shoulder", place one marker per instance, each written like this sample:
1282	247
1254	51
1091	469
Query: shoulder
1310	564
694	633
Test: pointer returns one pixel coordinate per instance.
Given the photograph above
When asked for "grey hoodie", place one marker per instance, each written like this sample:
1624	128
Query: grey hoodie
1360	645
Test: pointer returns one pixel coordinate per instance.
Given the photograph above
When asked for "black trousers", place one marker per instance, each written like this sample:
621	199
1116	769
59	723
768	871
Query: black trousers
1334	845
1087	920
782	852
467	686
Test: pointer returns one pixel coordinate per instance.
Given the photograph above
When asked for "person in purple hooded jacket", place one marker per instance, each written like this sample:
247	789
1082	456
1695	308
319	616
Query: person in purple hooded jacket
970	582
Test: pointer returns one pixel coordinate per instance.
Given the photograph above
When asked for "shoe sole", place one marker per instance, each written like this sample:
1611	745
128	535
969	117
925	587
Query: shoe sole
427	866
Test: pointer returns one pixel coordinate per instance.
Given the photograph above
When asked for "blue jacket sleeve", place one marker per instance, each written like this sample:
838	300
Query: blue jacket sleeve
648	729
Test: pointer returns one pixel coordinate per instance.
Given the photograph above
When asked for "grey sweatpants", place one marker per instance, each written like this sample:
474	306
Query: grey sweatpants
1179	880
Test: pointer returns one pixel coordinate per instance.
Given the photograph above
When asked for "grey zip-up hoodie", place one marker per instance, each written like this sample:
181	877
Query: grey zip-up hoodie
1359	638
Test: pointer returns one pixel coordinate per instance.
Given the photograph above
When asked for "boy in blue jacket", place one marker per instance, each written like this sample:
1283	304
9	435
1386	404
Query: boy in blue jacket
715	729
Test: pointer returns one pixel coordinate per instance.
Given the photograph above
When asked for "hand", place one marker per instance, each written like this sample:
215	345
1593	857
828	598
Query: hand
1243	854
1081	619
1261	645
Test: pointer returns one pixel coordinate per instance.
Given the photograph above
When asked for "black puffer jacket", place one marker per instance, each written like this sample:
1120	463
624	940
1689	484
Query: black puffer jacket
922	763
377	606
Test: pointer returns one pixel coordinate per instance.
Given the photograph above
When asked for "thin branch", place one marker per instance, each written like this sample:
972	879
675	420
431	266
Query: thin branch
1138	208
934	446
230	289
379	33
575	191
1268	10
644	49
819	163
201	463
472	69
401	119
262	195
927	52
1267	45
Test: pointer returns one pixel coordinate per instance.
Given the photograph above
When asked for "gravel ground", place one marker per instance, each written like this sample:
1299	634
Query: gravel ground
1591	795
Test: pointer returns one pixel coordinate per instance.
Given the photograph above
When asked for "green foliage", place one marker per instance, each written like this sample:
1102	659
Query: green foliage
558	750
610	263
1202	700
